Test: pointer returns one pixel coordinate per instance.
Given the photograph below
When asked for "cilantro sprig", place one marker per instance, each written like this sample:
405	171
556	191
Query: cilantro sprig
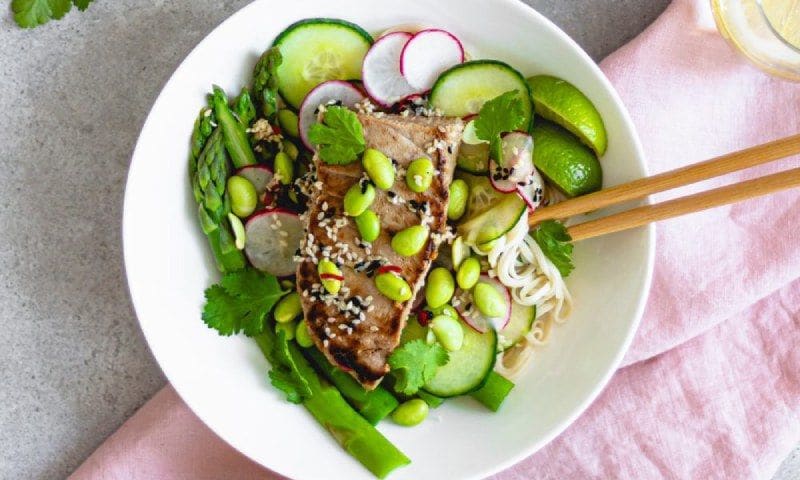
32	13
340	137
556	244
503	113
415	363
241	302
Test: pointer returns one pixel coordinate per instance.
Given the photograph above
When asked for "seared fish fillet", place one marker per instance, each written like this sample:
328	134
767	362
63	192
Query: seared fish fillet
358	328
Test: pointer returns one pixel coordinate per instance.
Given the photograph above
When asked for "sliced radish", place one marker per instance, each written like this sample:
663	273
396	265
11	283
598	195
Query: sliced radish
259	176
381	70
517	163
427	55
532	193
333	90
267	248
473	317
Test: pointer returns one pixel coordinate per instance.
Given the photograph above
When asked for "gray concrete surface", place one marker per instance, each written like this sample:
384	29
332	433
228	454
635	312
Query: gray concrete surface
73	364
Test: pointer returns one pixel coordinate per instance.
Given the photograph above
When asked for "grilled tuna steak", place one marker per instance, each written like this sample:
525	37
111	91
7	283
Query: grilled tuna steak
358	328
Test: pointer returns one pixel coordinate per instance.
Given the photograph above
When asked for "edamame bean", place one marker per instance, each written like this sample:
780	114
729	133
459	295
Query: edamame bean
410	241
468	273
243	196
419	174
489	301
439	288
410	413
445	310
302	335
379	168
288	308
284	168
448	331
369	226
290	149
287	284
327	267
393	287
459	193
239	235
459	251
287	119
358	198
288	328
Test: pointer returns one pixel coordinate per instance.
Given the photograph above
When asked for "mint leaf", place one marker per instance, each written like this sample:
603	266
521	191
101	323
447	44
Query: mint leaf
340	137
415	363
555	242
501	114
241	302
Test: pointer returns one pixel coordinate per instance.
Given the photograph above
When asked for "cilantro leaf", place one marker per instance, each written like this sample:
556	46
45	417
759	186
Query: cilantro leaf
501	114
556	245
82	4
240	302
265	81
340	137
285	382
32	13
284	375
415	363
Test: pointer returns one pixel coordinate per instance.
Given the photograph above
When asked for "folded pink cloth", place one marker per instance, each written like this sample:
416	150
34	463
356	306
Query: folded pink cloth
712	383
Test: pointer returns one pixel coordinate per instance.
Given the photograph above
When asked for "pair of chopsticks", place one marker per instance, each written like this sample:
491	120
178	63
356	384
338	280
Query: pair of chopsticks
731	162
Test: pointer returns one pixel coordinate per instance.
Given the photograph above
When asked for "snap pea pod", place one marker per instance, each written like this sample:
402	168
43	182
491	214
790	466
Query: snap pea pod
494	391
329	408
211	171
373	405
233	132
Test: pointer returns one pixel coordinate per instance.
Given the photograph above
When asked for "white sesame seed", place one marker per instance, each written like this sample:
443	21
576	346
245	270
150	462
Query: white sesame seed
333	335
325	343
373	328
342	326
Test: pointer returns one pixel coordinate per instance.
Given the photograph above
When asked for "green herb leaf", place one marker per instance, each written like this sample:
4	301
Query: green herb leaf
82	4
241	302
555	242
265	81
285	382
285	375
340	137
32	13
415	363
501	114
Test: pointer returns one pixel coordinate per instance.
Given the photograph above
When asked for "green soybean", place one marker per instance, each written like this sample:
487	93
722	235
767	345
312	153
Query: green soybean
468	273
239	235
288	121
448	331
445	310
410	241
243	196
459	251
410	413
379	168
358	198
284	168
393	287
290	149
419	174
369	226
288	308
489	301
288	328
331	285
459	193
302	335
439	288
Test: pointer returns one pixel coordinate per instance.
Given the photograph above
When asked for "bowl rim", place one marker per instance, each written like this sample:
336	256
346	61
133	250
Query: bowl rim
521	9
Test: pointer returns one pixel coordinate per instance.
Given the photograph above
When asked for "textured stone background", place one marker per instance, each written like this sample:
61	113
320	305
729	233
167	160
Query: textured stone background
73	363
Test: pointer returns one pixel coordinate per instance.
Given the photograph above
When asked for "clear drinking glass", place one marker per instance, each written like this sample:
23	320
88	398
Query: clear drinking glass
767	32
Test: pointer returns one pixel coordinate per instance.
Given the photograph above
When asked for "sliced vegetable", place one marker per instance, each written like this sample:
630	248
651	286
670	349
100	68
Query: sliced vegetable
332	91
473	154
472	315
467	368
267	248
317	50
381	74
427	54
494	391
519	325
494	222
259	176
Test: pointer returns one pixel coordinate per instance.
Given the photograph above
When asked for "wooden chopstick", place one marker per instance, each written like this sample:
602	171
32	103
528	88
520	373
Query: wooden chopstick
636	189
692	203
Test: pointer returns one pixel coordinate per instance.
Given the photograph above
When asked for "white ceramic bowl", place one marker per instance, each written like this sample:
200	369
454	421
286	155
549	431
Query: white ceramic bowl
224	380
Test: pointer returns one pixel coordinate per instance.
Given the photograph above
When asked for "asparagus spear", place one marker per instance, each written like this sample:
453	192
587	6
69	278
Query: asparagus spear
243	108
373	405
233	132
265	82
494	391
329	408
208	186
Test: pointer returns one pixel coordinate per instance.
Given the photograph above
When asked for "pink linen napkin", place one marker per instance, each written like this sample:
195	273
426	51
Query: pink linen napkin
712	383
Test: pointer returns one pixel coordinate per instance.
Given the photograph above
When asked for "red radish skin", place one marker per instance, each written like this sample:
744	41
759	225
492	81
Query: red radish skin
478	322
380	71
331	276
523	194
340	90
390	268
429	53
501	185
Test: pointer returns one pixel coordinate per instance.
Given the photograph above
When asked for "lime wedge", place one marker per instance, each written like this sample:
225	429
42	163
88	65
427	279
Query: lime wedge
565	161
561	102
784	18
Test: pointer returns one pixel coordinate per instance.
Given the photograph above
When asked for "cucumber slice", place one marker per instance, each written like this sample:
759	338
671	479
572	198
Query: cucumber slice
317	50
467	368
463	89
482	196
494	222
522	318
